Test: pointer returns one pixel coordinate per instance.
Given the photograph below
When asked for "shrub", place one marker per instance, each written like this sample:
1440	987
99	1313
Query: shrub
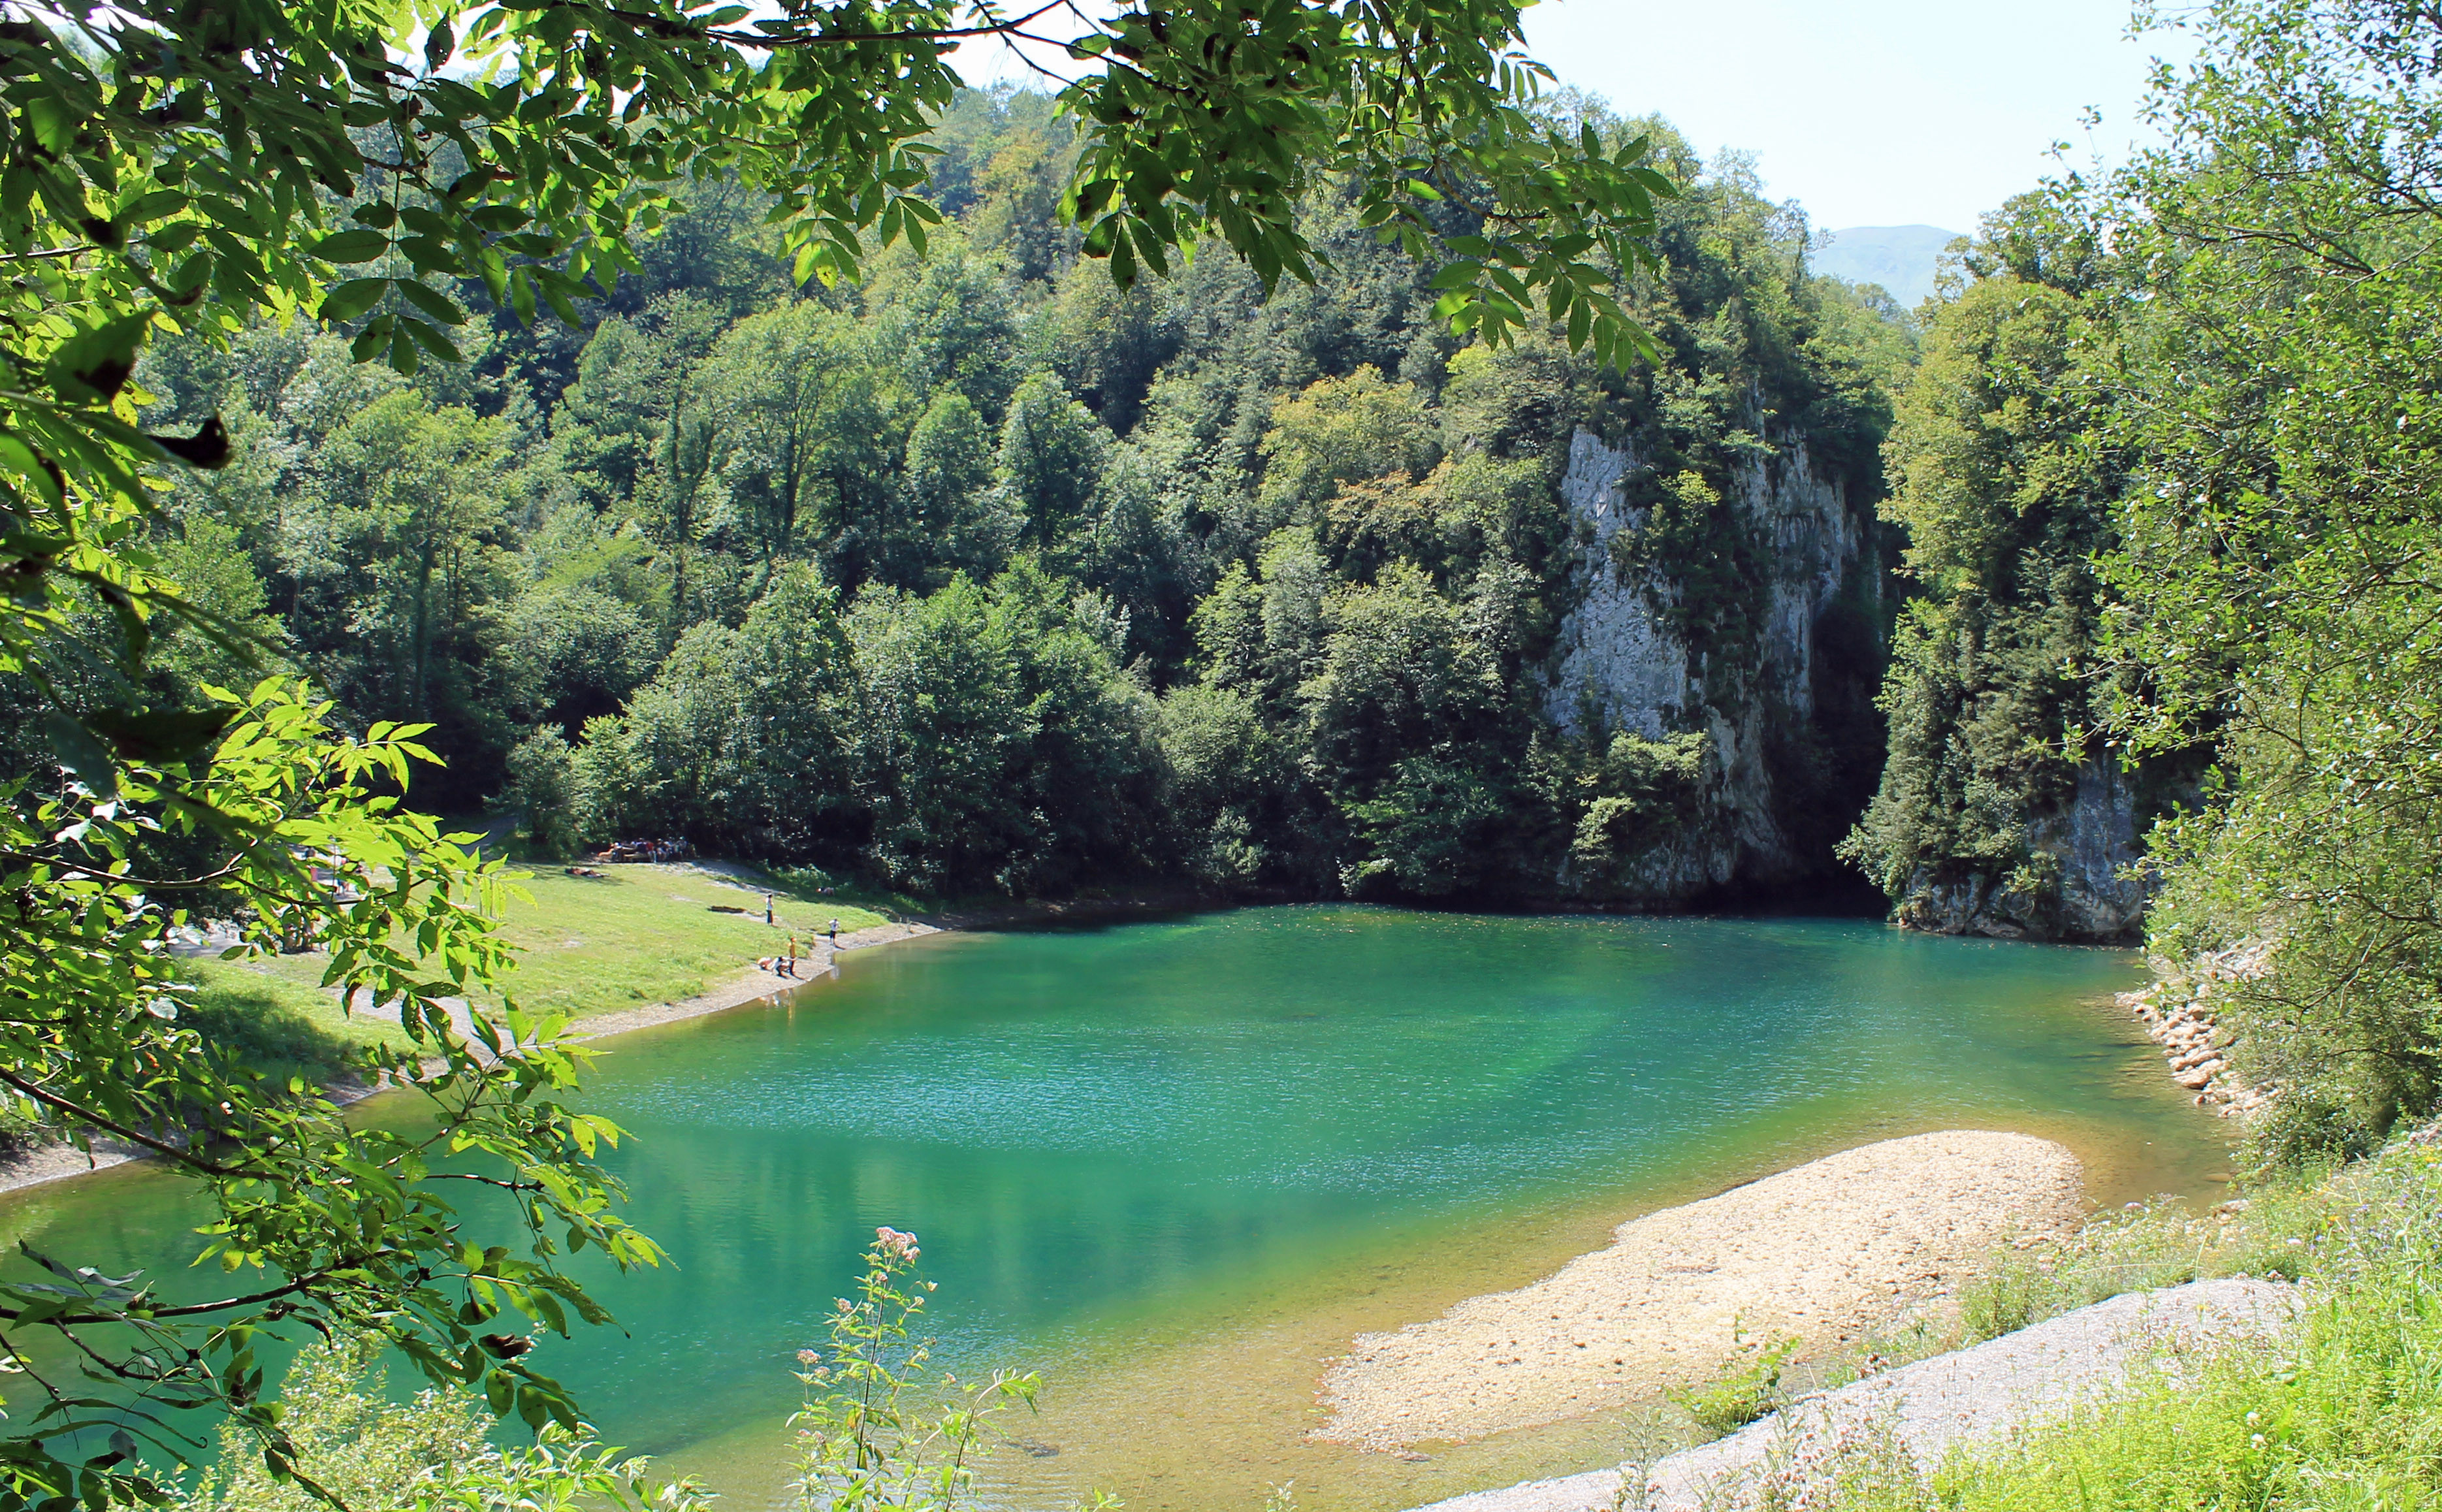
357	1448
1743	1395
352	1440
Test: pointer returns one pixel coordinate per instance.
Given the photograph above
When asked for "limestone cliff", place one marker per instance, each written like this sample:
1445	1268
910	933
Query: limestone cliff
2073	886
1780	708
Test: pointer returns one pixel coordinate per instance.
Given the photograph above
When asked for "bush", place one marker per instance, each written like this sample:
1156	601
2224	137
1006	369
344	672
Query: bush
350	1439
19	1126
361	1450
1741	1398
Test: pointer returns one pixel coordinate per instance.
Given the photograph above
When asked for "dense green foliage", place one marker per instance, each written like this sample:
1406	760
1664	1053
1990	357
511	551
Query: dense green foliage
2168	473
986	573
2006	477
2278	566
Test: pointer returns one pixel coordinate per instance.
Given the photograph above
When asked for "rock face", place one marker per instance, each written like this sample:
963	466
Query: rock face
1623	663
2083	852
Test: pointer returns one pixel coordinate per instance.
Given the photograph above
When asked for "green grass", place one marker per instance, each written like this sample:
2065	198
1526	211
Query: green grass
282	1027
641	935
2142	1247
2344	1415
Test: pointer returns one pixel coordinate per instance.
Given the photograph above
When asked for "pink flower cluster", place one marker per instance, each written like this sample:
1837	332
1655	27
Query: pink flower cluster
891	1242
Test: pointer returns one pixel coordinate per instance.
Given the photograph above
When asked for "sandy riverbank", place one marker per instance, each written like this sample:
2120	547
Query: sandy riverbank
1824	1252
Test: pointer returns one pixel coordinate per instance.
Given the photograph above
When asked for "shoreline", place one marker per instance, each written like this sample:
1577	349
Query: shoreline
44	1164
1821	1254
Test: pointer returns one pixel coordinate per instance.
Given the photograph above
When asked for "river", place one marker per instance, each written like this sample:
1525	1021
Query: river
1174	1165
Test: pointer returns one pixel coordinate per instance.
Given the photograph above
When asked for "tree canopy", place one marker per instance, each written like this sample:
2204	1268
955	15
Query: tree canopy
391	173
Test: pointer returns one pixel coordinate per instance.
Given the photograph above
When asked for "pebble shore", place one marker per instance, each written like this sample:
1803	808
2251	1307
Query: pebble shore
1822	1253
2177	1011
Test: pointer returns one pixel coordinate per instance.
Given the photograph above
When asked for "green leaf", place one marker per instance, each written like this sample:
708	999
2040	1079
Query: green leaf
352	298
92	366
430	302
81	753
359	246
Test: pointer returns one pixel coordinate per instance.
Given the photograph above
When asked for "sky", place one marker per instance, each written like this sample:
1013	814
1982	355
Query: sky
1867	112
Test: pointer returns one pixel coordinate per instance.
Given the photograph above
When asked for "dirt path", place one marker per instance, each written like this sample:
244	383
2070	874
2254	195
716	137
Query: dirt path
1822	1252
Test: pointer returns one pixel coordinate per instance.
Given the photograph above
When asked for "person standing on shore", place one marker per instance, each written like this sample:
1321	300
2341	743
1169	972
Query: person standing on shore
835	934
767	908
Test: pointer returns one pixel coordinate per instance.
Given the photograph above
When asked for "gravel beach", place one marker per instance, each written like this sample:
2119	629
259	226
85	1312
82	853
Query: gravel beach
1821	1254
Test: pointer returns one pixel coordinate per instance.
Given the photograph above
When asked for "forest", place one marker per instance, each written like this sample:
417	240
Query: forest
1384	479
980	575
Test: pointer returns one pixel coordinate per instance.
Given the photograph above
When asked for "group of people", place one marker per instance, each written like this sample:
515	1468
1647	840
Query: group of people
786	965
647	850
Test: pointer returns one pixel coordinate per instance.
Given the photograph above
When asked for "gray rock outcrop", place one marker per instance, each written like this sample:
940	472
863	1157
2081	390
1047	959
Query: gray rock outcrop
1623	663
1920	1411
2083	852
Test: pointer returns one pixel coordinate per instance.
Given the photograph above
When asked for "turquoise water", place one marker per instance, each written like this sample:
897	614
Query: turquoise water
1171	1163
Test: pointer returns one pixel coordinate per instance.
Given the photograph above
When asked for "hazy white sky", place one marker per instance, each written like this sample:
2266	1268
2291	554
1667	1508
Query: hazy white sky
1868	112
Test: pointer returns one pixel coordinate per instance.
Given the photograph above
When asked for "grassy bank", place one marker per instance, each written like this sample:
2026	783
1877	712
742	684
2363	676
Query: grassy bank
630	936
2345	1413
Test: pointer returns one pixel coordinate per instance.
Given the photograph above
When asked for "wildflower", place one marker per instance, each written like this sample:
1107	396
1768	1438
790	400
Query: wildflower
807	1356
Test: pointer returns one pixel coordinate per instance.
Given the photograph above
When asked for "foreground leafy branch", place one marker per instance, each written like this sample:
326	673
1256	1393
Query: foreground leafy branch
346	1224
385	168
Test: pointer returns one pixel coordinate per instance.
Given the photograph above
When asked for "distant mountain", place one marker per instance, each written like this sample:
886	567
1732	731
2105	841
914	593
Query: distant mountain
1899	258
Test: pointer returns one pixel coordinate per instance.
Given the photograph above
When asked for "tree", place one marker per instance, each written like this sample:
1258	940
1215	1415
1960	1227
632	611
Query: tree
409	497
950	519
1052	452
806	431
380	168
2274	580
2006	478
1339	432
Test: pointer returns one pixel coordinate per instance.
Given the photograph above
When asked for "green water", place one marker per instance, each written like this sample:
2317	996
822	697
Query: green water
1175	1165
